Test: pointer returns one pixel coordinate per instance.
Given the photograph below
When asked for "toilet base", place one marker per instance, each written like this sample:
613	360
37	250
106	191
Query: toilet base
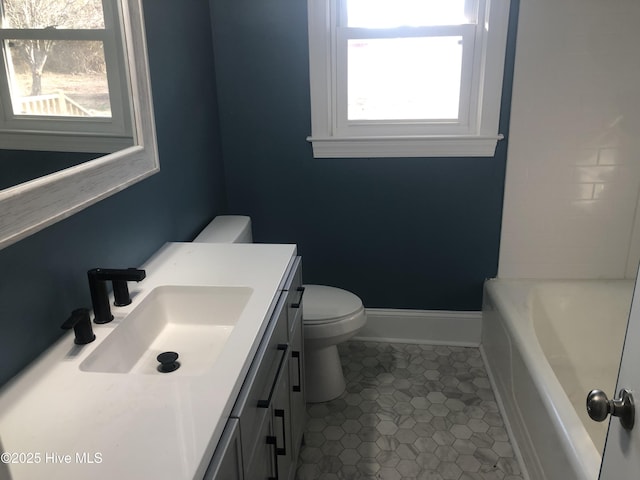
324	377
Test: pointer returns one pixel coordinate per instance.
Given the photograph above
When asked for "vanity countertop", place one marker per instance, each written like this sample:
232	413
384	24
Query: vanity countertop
59	422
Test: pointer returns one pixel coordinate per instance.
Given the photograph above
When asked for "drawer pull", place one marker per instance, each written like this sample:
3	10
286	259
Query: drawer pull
278	412
297	304
298	387
283	347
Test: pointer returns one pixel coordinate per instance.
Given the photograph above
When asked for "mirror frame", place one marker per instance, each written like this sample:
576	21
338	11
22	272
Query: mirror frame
31	206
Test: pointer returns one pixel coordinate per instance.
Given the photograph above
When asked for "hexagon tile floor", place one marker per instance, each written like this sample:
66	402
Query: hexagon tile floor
409	412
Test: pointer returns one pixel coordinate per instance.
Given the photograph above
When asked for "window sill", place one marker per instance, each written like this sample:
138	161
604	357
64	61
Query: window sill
409	146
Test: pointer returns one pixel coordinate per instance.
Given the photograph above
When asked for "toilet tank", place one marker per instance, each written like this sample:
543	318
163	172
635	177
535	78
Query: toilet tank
227	229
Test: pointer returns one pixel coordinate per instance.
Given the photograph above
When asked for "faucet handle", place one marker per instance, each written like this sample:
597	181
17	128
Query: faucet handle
80	321
121	289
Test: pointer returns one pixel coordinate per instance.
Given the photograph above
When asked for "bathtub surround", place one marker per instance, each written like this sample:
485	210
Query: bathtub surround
409	411
571	211
573	175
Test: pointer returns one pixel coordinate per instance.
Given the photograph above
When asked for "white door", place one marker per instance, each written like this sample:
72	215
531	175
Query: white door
621	459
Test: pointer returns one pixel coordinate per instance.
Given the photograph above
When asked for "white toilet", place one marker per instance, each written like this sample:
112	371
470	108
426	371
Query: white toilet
330	316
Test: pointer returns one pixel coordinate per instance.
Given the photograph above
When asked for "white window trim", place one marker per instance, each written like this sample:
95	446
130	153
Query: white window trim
71	134
478	139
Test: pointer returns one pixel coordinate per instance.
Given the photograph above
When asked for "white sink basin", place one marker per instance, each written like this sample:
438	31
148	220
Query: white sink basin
193	321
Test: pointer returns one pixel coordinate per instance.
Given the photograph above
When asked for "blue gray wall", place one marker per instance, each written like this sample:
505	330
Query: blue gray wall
418	233
44	276
402	233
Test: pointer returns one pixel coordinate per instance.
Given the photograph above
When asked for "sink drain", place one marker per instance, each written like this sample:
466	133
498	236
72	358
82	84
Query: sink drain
168	362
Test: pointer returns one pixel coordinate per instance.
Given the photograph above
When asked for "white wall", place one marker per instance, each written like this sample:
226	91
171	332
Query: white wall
573	164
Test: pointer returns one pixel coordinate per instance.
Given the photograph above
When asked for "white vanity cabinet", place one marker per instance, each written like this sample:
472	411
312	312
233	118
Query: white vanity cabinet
262	438
229	416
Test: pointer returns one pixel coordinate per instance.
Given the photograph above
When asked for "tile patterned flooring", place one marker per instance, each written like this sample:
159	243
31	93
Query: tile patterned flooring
409	412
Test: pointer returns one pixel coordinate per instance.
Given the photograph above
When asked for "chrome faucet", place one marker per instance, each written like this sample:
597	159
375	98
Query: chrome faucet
98	289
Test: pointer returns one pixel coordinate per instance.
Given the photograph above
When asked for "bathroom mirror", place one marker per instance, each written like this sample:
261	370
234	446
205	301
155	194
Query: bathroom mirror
35	204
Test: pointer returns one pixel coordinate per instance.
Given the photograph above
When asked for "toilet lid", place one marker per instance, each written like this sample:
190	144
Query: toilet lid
322	304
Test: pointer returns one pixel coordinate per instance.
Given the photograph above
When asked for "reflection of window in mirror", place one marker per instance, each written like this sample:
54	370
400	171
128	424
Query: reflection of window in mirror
63	76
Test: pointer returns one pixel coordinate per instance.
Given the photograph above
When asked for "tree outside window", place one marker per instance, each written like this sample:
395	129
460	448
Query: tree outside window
57	48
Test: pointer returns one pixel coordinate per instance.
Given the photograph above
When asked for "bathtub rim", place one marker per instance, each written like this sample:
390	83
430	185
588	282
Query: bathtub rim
512	297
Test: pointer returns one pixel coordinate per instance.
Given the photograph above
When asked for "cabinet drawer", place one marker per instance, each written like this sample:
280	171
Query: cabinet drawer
255	397
262	466
226	463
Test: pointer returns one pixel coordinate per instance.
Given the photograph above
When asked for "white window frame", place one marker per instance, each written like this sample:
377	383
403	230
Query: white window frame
72	134
474	134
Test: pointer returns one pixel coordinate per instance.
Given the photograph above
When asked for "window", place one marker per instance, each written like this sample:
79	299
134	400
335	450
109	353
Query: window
406	78
63	79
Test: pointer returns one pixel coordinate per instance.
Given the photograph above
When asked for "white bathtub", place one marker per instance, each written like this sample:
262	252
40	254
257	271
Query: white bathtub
546	345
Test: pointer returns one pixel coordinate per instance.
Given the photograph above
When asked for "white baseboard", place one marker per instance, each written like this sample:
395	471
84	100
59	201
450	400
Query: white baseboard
422	326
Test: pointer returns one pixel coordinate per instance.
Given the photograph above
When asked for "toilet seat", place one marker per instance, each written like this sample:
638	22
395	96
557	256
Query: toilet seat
325	305
330	316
